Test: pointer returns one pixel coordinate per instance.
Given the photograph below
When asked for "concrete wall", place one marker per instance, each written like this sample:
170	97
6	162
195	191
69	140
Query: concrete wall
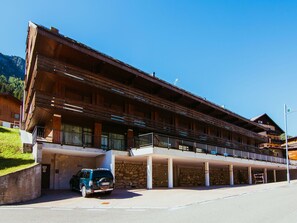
21	186
62	167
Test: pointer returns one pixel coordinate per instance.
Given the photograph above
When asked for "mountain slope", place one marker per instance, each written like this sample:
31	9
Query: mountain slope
12	66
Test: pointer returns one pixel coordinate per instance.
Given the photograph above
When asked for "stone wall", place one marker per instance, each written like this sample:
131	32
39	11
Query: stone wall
23	185
240	176
190	177
130	175
160	177
281	175
219	176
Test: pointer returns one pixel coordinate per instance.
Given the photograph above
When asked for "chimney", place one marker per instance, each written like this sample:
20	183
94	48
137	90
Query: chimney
54	30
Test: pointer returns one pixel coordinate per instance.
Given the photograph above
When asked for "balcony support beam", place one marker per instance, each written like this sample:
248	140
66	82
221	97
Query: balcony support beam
250	175
274	175
231	175
170	173
206	170
149	171
265	175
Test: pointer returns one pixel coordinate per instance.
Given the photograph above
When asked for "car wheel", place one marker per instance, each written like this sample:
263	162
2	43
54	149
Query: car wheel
84	191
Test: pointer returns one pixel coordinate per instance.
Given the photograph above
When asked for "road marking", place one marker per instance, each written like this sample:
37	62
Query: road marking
205	202
133	209
14	208
97	209
61	209
177	208
230	197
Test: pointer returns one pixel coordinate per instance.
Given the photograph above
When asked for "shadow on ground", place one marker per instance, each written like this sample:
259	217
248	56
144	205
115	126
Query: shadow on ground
12	162
64	195
5	130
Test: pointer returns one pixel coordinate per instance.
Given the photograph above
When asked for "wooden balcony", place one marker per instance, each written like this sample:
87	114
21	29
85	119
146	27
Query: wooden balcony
75	108
56	68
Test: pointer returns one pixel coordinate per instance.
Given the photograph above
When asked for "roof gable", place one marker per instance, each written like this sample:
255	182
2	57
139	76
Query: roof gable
265	119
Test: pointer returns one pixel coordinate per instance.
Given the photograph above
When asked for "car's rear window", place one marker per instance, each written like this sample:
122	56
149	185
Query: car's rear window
102	173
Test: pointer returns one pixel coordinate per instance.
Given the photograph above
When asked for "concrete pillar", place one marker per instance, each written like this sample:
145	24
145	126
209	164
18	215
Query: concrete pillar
231	175
206	169
170	173
250	175
112	165
97	134
149	171
57	125
265	175
274	175
37	152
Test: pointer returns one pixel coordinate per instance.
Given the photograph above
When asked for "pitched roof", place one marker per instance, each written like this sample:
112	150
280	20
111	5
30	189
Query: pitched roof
8	95
246	123
267	118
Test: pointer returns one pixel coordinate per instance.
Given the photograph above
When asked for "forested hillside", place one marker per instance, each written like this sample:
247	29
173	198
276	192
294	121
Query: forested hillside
12	71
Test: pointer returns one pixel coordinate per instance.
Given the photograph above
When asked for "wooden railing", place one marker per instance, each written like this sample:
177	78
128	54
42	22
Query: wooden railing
45	100
54	67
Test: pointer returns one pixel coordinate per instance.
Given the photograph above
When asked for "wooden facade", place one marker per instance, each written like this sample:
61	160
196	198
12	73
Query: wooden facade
73	91
9	109
292	147
89	110
273	133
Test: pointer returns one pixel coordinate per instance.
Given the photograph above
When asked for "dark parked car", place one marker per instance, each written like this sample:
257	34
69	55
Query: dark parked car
89	181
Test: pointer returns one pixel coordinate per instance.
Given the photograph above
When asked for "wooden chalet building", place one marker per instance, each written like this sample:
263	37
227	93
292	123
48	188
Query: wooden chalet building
10	109
273	133
87	109
292	147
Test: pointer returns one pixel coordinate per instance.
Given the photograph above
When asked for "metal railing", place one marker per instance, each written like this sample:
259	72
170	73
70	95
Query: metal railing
163	141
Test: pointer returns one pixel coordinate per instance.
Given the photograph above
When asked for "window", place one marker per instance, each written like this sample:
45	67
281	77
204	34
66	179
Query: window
206	130
77	135
72	135
17	116
219	134
104	141
230	136
117	141
239	139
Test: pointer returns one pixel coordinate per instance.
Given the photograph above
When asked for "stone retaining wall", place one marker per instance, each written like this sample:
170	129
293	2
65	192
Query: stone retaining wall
190	177
130	175
160	177
23	185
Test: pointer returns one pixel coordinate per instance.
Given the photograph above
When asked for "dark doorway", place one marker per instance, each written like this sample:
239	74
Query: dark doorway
45	176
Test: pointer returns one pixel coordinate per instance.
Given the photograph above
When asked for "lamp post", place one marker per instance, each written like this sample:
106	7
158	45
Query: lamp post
286	136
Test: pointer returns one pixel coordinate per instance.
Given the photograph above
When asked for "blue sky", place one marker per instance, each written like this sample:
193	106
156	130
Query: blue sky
240	54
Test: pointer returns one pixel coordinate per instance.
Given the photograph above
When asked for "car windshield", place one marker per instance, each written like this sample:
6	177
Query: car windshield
102	173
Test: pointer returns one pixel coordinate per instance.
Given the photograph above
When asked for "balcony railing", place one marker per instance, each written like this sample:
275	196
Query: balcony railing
158	140
82	139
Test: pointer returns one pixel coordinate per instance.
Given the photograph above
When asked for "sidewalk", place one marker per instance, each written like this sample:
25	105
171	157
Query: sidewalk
153	199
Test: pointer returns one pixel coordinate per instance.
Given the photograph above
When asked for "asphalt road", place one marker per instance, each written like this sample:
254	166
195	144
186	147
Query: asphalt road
271	205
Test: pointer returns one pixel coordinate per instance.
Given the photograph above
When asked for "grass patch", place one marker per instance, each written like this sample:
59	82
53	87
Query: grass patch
11	157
